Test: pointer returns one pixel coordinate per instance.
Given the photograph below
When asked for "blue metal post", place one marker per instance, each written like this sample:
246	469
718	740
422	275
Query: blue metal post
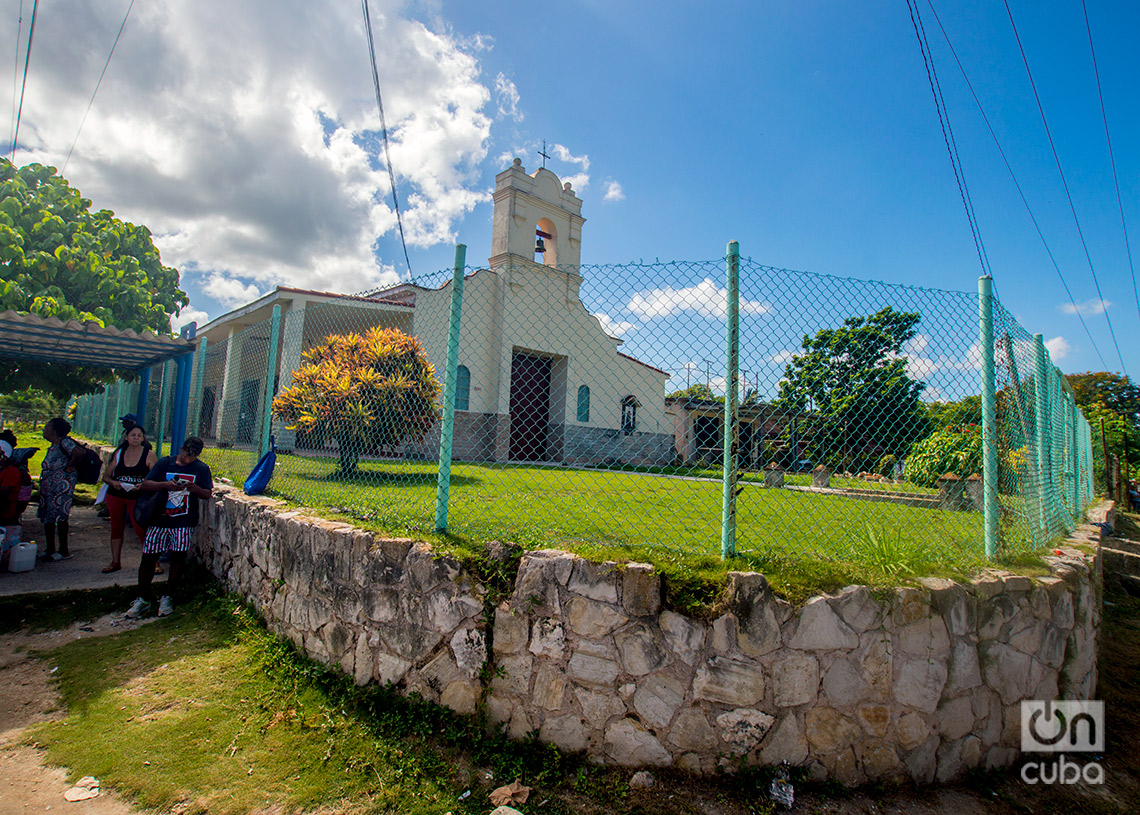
989	416
163	406
144	387
270	375
182	392
731	401
447	425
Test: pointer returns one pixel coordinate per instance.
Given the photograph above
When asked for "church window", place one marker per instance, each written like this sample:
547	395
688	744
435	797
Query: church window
583	404
628	415
462	387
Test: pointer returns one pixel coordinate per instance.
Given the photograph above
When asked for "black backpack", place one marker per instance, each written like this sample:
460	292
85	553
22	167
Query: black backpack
88	468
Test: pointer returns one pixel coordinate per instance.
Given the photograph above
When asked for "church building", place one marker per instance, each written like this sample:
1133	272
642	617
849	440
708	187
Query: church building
539	379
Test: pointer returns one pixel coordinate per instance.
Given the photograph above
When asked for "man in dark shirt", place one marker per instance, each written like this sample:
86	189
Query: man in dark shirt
186	480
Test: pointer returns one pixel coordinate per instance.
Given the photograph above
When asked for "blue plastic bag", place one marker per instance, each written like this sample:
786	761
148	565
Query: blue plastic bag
259	479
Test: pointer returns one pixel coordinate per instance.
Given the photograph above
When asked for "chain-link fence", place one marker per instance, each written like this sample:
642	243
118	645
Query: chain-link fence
589	404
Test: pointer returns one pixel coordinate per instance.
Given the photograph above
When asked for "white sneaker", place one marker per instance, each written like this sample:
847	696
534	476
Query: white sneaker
138	608
165	607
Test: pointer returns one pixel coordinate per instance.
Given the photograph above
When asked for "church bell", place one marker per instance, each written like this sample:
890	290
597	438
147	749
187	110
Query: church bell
539	247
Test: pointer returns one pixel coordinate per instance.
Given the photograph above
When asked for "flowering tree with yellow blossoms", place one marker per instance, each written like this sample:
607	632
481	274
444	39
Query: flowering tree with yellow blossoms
363	391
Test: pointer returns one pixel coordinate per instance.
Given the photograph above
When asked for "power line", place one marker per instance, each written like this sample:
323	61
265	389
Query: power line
1112	159
948	134
1065	183
1017	184
24	83
16	64
97	84
384	130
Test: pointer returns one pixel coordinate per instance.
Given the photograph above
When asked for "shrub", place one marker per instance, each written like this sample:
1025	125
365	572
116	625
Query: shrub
955	449
362	390
886	467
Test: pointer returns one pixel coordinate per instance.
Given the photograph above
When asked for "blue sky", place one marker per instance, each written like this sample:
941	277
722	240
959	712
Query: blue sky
805	130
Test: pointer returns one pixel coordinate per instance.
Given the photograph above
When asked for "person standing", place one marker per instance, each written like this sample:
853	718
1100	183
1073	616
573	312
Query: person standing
57	486
187	481
123	476
10	483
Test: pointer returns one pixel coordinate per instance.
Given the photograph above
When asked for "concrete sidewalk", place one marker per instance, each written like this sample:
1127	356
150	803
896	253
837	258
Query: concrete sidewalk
90	547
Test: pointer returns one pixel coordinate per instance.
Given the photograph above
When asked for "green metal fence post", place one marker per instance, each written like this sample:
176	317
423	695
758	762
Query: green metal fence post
731	401
270	375
1074	454
989	415
163	406
196	428
118	404
103	416
1041	393
447	422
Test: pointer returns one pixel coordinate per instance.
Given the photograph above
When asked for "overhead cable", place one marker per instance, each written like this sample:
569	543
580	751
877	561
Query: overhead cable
948	135
1065	183
16	67
384	131
97	84
1017	184
1112	159
24	82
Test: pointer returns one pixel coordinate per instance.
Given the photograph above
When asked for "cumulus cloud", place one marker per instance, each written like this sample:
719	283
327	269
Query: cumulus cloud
188	315
615	328
706	298
231	292
782	357
1058	347
614	192
1087	308
507	98
247	137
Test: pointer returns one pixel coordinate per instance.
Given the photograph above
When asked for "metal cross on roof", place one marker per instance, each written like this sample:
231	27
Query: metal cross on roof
542	153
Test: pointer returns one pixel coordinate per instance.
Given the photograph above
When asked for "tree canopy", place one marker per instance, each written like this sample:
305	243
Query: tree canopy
1115	392
60	259
853	381
363	391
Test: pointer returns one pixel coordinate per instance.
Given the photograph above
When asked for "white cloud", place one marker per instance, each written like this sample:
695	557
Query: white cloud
614	192
230	292
246	136
577	182
562	153
1087	308
782	358
614	328
188	315
507	98
1058	348
705	298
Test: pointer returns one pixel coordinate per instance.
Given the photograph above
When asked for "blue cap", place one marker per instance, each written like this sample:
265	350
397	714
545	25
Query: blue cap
130	418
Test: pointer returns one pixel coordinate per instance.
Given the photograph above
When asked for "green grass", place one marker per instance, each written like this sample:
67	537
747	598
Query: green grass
207	709
804	542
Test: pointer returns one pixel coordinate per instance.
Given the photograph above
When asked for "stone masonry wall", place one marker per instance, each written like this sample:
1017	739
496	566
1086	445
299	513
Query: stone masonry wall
912	683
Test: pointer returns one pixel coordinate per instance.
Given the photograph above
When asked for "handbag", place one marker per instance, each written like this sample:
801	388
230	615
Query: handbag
148	507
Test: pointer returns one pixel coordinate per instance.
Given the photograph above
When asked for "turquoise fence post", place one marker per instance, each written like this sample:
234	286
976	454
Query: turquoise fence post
119	399
1074	453
989	415
447	421
1041	394
199	382
163	406
103	416
270	375
731	402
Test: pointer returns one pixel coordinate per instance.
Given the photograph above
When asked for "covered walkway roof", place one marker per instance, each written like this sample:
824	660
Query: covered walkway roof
49	339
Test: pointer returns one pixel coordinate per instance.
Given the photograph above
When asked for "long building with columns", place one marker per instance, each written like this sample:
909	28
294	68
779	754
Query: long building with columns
538	379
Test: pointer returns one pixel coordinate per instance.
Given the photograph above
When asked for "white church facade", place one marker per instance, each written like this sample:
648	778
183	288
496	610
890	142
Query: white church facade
538	380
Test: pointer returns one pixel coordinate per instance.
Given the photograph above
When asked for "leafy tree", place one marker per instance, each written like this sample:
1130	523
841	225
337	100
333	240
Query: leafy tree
964	411
363	391
854	379
697	392
31	402
60	259
1115	392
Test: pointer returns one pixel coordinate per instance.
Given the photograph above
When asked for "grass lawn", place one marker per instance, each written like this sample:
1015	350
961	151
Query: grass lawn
672	522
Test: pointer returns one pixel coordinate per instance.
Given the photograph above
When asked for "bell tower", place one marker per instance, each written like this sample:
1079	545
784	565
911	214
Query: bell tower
534	208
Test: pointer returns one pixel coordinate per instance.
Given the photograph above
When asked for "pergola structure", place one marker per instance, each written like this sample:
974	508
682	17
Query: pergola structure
49	339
